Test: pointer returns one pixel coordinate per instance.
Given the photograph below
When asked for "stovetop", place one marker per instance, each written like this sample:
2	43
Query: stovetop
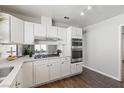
40	56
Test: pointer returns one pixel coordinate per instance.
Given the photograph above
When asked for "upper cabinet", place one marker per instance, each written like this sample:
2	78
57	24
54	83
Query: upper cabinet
76	32
4	28
51	32
39	30
28	33
62	34
45	31
46	21
16	28
11	29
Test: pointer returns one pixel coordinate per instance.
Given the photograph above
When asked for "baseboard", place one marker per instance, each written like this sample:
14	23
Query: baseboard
95	70
38	85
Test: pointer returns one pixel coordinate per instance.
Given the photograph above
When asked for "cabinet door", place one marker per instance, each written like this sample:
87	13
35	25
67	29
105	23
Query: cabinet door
62	34
14	84
41	73
79	67
4	29
51	32
78	32
16	30
20	79
65	69
27	74
73	32
73	69
28	33
39	30
54	71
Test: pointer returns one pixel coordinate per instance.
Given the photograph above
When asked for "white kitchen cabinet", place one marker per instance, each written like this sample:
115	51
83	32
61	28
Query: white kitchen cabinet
11	29
28	33
4	28
54	70
16	30
73	68
62	34
28	74
51	32
18	81
39	30
47	71
79	67
14	84
41	73
76	68
46	20
76	32
65	69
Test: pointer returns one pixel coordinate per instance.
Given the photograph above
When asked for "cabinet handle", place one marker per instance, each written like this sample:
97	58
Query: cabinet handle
19	83
16	84
62	62
77	64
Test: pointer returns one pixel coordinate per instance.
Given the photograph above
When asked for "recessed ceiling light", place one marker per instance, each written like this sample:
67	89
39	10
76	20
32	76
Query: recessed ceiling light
82	13
89	8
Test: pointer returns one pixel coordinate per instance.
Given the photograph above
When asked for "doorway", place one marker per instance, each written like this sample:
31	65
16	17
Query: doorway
122	54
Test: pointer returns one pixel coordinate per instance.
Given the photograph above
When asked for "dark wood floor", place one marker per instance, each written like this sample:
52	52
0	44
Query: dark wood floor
87	79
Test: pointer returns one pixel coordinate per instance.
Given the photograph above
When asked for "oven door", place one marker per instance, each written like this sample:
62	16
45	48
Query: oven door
76	42
76	55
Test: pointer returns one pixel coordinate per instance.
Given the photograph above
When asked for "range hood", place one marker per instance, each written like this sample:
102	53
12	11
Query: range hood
46	21
39	38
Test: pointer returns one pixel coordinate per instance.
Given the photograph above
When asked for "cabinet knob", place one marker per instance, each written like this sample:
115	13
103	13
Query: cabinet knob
62	62
19	83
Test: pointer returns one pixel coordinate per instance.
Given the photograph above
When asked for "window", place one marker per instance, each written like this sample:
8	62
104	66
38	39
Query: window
5	50
42	48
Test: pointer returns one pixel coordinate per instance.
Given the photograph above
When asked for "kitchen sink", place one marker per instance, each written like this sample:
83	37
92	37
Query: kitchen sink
5	71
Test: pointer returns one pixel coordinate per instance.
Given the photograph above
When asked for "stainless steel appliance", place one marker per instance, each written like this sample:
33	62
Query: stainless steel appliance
76	50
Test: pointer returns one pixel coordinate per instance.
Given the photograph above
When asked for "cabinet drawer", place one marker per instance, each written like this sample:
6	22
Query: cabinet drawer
67	59
40	62
53	60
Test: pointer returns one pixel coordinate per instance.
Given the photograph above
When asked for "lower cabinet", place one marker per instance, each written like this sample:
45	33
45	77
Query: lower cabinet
46	72
76	68
18	81
28	74
41	72
14	84
65	68
54	70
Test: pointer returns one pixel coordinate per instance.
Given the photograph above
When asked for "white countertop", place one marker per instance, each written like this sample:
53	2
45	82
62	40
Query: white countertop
17	64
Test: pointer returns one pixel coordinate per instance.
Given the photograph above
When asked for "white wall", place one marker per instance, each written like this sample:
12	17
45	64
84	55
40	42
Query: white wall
102	47
122	47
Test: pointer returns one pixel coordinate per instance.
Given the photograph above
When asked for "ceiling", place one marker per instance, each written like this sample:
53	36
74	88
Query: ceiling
57	12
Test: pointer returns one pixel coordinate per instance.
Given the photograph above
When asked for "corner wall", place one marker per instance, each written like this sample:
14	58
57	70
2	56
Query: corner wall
102	47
